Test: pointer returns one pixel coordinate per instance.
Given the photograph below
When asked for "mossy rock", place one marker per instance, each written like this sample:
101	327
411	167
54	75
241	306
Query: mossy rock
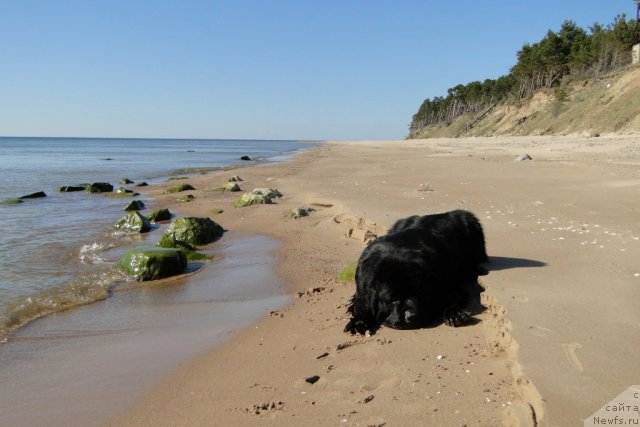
153	263
348	274
160	215
235	178
142	184
134	222
187	198
192	231
121	190
37	195
177	178
232	186
125	181
299	212
267	192
248	199
136	205
99	187
178	188
8	202
71	188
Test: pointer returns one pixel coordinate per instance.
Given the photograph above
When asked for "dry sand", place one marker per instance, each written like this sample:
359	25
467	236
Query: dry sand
558	339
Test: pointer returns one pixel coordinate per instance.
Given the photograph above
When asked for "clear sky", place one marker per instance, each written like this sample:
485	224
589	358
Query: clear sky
263	69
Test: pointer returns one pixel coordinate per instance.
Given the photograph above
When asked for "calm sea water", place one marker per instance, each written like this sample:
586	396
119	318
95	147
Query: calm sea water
58	251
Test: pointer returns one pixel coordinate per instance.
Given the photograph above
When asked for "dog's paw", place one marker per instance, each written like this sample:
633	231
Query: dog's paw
356	327
456	317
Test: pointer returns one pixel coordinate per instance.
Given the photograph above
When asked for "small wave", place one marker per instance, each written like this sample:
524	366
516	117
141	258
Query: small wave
92	253
84	290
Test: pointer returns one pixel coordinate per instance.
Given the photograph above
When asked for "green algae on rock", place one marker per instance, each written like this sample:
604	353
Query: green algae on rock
232	186
133	222
160	215
191	230
299	212
125	181
153	263
8	202
248	199
178	188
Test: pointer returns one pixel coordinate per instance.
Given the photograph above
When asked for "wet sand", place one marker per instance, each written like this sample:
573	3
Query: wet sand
555	344
82	366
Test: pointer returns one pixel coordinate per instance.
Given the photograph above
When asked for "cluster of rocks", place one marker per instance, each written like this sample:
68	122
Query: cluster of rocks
256	197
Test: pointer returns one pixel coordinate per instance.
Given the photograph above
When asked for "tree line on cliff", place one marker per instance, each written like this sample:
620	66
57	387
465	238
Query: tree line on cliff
560	57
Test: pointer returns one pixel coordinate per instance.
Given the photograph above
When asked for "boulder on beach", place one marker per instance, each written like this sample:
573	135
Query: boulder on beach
267	192
248	199
125	181
178	188
299	212
153	263
99	187
160	215
7	202
191	230
134	222
37	195
187	198
235	178
71	188
135	205
231	186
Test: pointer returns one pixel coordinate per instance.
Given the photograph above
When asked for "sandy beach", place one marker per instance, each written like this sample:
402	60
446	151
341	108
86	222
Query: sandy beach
555	343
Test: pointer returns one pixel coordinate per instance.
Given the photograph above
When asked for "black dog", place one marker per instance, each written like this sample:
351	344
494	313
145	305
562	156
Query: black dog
423	271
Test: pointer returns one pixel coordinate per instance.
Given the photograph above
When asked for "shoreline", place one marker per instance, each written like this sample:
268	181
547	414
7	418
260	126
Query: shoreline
540	218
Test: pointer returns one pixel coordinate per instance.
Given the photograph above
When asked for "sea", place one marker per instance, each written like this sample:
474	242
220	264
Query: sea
68	318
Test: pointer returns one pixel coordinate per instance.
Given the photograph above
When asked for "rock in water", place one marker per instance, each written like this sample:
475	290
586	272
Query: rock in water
126	181
134	222
153	263
99	187
37	195
246	158
71	188
160	215
122	190
136	205
193	231
142	184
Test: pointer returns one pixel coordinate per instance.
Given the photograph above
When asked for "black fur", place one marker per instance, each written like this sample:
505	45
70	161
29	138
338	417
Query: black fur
423	271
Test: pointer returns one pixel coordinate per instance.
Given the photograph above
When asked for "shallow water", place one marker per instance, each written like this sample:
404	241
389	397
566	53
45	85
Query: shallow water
57	252
82	366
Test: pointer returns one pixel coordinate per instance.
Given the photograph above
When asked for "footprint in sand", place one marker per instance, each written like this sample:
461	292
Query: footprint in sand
570	353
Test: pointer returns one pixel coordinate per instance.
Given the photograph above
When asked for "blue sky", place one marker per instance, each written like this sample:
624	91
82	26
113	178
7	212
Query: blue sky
270	69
